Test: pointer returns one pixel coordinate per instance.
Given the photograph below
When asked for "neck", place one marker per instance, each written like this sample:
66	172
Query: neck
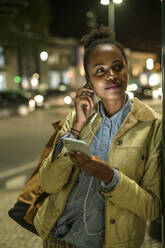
113	106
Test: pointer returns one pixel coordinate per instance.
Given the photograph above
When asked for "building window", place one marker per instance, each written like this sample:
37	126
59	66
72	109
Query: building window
2	81
2	57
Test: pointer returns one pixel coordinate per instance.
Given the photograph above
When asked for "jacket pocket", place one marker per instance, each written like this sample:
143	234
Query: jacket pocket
131	161
123	227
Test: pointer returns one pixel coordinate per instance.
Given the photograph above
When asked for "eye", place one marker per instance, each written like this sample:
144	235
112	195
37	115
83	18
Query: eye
100	70
118	67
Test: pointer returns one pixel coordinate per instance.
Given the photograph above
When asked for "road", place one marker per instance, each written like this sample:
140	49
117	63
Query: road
22	140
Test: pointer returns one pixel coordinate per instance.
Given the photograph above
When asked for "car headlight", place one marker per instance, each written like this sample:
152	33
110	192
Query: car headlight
32	105
39	100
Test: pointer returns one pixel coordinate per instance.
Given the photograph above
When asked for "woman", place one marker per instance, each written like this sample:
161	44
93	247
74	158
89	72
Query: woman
103	201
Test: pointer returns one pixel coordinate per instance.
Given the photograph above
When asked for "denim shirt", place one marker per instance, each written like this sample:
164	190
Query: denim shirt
82	221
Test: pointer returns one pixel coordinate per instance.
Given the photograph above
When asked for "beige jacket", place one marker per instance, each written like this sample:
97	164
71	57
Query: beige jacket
135	152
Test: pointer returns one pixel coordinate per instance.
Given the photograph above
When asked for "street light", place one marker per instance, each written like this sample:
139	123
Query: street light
44	56
111	11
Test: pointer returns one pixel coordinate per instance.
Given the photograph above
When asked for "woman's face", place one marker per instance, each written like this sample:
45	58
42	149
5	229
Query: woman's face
107	71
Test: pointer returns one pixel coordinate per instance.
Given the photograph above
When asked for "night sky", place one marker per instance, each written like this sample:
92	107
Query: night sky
137	22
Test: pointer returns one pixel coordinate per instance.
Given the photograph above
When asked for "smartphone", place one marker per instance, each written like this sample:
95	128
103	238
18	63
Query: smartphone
77	145
96	98
87	92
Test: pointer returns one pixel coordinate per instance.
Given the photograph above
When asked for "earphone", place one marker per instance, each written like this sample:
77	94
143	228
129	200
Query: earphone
90	85
93	118
92	178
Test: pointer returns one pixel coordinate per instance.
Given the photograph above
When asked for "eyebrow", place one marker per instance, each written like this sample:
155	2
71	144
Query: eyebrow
115	61
98	64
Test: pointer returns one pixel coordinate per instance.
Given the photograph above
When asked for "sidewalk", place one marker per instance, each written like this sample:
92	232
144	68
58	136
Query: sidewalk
14	236
11	234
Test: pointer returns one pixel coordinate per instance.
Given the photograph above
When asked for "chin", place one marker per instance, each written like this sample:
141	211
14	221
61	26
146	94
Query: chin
115	95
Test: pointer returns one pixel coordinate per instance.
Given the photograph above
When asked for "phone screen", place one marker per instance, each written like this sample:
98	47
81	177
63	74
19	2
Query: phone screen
77	145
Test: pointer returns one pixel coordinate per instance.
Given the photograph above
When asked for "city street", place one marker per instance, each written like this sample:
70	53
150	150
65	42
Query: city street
22	140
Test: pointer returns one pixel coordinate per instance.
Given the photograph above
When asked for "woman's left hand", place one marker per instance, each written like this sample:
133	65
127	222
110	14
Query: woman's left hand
94	166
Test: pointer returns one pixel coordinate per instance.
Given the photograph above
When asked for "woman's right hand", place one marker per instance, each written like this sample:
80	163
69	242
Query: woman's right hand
83	106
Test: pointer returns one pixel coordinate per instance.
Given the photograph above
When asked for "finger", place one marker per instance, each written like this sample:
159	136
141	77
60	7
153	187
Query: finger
72	154
81	90
72	157
75	157
91	99
85	100
83	156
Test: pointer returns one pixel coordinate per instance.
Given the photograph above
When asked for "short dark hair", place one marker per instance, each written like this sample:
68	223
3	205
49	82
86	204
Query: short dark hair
100	35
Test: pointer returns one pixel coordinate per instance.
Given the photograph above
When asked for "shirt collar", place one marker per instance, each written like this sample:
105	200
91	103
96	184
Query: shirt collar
118	117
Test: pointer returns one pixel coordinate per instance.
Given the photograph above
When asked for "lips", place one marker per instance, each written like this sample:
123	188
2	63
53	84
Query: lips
112	86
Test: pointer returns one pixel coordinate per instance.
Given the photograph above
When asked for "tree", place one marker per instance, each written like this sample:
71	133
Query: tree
25	29
24	23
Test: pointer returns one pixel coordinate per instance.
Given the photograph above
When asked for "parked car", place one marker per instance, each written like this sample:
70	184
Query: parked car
15	102
37	96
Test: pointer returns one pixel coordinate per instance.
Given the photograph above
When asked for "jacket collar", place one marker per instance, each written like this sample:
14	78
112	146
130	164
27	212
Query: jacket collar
141	111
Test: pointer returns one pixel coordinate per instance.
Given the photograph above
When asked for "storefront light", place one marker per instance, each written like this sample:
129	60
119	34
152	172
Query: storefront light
154	79
133	87
36	75
104	2
150	63
25	83
143	79
157	93
69	74
160	91
34	82
117	1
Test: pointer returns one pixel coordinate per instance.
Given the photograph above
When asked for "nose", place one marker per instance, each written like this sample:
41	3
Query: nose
111	75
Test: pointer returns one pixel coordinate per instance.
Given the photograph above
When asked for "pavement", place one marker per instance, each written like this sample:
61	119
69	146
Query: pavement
14	236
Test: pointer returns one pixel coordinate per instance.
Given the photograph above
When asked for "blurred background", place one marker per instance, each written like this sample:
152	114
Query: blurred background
41	69
41	55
